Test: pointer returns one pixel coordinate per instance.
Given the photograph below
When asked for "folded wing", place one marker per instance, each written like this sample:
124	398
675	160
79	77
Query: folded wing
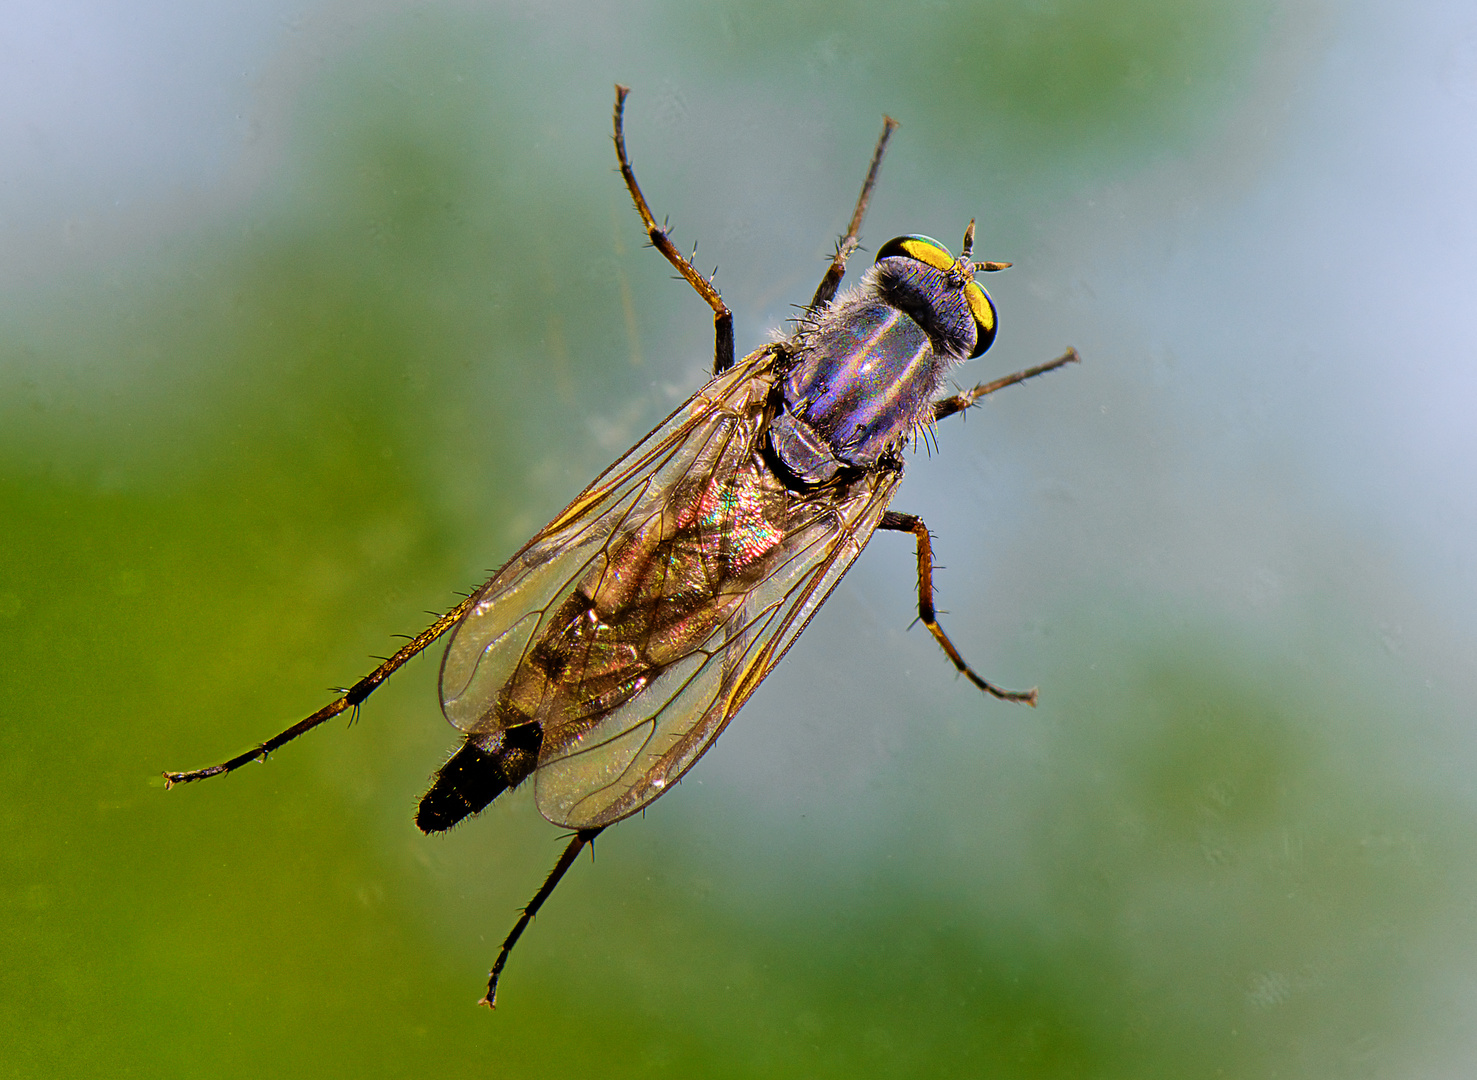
634	626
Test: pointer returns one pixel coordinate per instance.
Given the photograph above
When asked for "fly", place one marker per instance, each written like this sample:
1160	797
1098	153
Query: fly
616	645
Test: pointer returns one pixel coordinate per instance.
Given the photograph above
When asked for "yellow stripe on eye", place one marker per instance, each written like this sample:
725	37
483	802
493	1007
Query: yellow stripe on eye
980	306
924	249
928	252
983	310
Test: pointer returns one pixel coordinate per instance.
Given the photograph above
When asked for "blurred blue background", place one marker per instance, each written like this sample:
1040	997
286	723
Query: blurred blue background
311	313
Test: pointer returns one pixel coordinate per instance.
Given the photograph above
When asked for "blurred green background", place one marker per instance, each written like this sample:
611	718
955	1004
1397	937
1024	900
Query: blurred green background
312	313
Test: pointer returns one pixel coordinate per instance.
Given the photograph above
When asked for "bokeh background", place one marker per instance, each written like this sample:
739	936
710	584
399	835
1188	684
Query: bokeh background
310	313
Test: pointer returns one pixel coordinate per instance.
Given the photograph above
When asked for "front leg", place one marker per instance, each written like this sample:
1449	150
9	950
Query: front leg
912	523
959	402
825	292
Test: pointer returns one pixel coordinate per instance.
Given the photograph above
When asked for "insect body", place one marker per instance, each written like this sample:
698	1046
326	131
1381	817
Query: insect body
609	653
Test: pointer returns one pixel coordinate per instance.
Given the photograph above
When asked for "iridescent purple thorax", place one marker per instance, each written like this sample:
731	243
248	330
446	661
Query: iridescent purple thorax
868	366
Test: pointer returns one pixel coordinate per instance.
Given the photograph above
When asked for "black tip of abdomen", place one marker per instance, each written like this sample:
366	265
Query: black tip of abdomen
465	785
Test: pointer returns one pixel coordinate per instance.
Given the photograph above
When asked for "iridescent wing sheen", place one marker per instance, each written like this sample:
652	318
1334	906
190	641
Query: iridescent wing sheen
511	611
636	624
597	771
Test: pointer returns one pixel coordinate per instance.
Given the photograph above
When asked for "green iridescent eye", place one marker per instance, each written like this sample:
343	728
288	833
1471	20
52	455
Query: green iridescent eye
925	249
603	659
930	252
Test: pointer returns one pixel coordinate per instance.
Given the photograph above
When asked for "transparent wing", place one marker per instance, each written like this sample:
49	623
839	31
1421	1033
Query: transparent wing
633	627
592	775
512	611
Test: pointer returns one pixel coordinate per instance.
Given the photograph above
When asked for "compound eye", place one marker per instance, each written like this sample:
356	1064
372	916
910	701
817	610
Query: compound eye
924	249
930	252
983	310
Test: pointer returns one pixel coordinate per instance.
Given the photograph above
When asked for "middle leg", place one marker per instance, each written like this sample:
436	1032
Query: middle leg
722	317
929	616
